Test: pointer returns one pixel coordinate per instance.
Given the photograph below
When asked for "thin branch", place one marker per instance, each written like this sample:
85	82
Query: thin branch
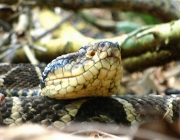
12	49
30	55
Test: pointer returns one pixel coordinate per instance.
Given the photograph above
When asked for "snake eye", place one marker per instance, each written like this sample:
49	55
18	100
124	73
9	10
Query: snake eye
92	53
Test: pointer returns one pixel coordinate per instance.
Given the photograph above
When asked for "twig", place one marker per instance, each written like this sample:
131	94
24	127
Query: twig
39	48
97	131
110	128
11	50
23	21
30	55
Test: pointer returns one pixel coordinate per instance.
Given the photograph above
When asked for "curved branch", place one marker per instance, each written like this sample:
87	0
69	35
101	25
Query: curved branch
165	10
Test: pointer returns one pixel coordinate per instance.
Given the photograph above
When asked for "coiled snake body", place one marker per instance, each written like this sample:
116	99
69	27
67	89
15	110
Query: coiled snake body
95	70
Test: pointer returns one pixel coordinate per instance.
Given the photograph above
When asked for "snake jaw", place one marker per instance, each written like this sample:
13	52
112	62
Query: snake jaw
95	70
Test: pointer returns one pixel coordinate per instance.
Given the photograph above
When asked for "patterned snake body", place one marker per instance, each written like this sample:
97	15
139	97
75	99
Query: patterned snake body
121	110
95	70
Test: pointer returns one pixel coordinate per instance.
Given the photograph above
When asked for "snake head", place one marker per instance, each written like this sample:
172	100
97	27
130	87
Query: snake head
95	70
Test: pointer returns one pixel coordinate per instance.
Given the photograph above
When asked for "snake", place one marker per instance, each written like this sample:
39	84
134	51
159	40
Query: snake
78	87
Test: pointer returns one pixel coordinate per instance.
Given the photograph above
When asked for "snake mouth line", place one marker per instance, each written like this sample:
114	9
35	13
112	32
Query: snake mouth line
114	56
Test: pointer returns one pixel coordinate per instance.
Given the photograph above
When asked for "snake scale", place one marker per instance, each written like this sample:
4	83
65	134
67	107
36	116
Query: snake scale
69	85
